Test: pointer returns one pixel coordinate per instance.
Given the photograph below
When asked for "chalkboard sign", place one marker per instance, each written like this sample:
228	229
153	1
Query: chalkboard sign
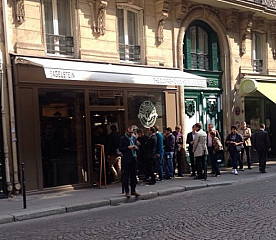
99	163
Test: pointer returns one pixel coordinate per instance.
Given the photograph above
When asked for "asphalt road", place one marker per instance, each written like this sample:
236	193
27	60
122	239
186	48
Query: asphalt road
238	211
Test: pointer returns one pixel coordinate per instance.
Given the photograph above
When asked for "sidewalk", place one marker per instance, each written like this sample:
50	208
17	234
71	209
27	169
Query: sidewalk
45	204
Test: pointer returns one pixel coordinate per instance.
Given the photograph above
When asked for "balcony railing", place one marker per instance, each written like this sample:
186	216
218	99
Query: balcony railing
258	65
60	45
129	52
266	3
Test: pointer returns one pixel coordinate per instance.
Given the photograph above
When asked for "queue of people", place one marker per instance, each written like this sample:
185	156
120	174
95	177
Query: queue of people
153	152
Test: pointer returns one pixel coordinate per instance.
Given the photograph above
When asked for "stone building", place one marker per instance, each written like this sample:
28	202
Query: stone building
71	69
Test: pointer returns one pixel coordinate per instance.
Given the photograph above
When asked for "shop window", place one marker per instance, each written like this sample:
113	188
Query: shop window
201	51
146	109
129	33
59	39
257	53
63	145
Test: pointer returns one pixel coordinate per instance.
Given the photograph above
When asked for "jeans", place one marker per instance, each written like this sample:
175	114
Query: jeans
160	163
168	162
235	156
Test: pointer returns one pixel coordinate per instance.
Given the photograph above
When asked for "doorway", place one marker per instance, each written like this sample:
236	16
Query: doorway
101	122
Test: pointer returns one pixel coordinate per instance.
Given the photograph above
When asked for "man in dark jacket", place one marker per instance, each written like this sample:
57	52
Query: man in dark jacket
261	144
151	151
128	148
190	141
113	154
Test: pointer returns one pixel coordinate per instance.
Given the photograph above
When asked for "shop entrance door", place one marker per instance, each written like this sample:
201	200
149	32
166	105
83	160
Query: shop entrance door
101	122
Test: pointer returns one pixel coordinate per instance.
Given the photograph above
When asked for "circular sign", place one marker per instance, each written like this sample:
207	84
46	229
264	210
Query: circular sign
147	114
248	86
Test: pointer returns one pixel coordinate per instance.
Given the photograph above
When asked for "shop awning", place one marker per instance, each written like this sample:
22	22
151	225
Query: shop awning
102	72
264	85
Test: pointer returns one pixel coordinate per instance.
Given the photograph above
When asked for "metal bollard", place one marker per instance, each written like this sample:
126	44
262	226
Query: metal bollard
23	187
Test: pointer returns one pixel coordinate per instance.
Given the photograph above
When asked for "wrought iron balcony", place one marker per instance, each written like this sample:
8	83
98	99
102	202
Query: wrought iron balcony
258	65
129	52
266	3
60	45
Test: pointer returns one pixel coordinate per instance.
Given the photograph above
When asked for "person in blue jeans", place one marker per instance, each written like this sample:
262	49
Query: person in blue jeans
169	144
234	142
159	153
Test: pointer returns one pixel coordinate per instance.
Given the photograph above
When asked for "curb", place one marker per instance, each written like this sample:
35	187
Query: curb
38	213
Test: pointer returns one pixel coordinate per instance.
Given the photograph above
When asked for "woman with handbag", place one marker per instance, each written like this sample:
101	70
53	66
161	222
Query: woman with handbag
217	151
234	142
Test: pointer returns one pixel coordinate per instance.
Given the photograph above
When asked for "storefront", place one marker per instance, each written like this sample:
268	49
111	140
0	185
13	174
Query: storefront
65	107
259	98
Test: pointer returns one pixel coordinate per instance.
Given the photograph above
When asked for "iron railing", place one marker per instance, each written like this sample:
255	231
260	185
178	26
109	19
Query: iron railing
266	3
60	44
130	52
258	65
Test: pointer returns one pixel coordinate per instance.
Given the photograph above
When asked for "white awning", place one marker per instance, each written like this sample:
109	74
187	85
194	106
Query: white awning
101	72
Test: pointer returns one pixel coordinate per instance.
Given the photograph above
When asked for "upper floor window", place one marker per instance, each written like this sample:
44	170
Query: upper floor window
257	52
201	49
59	39
128	31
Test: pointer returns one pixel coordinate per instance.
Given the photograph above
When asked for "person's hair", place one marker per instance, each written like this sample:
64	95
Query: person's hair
140	131
198	125
209	124
156	127
177	127
113	128
233	127
193	126
213	133
169	129
262	126
152	129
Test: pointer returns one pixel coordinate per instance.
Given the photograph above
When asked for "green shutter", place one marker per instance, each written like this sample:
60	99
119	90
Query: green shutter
187	50
214	52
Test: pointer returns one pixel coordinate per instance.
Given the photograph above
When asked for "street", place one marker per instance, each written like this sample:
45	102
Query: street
239	211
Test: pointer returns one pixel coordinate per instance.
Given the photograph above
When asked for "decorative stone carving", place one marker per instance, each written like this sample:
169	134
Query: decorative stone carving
162	9
245	30
182	10
190	107
230	18
98	15
20	11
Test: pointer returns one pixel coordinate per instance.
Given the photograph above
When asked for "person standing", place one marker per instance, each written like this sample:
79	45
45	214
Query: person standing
261	144
113	154
179	150
190	141
128	148
234	143
200	150
169	143
142	141
151	147
159	153
217	150
246	134
210	146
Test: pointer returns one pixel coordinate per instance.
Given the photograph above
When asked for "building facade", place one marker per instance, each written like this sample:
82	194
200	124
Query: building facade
74	68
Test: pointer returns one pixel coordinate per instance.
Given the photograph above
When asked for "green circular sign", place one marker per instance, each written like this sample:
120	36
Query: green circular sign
248	86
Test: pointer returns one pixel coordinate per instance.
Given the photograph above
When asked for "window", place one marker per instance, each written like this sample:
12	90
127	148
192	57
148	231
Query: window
59	38
257	53
128	30
201	49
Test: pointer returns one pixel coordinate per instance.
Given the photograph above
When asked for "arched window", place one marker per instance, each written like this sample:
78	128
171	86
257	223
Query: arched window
201	51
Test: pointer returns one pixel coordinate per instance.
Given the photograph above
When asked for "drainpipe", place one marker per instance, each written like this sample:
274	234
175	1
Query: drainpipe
17	185
4	130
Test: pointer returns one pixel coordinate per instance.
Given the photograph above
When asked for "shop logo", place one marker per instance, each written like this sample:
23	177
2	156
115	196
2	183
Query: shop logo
147	114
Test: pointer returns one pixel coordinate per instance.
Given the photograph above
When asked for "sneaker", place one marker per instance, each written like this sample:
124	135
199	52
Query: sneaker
250	168
159	180
241	169
218	175
236	172
233	171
